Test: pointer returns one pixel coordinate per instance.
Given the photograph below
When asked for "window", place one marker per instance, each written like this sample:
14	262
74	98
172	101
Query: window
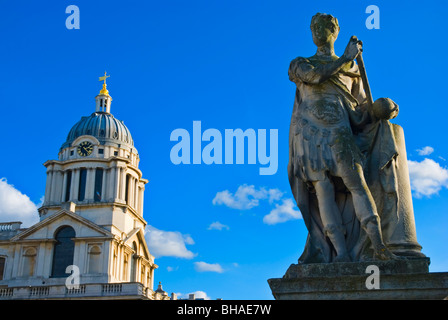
125	267
115	153
68	185
2	266
63	251
95	259
126	192
71	152
98	184
82	184
101	151
28	262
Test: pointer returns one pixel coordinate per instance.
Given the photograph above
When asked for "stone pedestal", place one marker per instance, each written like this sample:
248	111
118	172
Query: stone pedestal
397	280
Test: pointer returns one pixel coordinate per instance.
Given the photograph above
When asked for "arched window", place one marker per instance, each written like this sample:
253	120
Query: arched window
63	251
94	259
28	262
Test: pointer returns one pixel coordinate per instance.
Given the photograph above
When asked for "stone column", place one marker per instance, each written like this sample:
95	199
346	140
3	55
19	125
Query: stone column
131	190
64	186
57	188
48	186
90	184
140	200
135	195
52	186
122	183
104	184
151	281
109	191
138	269
75	185
115	174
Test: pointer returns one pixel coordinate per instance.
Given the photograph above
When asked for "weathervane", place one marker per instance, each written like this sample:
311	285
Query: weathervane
104	77
104	90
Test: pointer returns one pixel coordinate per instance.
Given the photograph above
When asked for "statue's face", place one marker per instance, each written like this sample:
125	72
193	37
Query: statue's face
324	32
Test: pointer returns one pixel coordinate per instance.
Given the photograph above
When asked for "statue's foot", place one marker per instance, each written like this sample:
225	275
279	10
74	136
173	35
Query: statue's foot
384	254
342	258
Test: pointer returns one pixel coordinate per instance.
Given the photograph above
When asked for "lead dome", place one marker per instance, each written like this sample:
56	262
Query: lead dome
103	126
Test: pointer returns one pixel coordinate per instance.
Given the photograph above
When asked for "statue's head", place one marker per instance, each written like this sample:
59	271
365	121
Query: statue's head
325	28
385	109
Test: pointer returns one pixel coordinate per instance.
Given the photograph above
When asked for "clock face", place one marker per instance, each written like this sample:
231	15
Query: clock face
85	148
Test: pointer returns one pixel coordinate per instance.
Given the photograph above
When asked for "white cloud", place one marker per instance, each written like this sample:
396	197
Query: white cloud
274	195
427	177
16	206
197	294
171	269
282	213
425	151
208	267
246	197
217	226
168	243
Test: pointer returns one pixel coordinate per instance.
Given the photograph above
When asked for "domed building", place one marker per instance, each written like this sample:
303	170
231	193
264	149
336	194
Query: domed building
89	242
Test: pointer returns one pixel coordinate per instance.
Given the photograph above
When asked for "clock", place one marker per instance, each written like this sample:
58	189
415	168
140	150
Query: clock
85	148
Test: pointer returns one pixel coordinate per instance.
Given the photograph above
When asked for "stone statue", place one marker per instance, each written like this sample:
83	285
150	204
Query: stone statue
347	164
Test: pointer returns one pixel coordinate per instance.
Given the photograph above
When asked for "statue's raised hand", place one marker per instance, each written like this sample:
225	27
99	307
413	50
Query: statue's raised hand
354	47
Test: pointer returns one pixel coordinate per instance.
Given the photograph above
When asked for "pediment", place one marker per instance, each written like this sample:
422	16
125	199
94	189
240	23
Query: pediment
46	229
138	236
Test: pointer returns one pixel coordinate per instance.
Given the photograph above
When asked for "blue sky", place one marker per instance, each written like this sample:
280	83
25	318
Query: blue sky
223	63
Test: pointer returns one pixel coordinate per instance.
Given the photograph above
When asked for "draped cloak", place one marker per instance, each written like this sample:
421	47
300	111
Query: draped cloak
315	149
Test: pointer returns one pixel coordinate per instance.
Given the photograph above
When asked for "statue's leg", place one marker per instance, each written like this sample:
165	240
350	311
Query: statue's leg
365	209
331	218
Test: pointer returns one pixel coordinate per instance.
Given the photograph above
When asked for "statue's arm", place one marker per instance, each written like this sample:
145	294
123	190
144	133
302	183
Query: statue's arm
301	69
359	93
361	116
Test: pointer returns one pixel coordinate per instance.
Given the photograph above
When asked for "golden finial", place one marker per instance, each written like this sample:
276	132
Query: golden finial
104	90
